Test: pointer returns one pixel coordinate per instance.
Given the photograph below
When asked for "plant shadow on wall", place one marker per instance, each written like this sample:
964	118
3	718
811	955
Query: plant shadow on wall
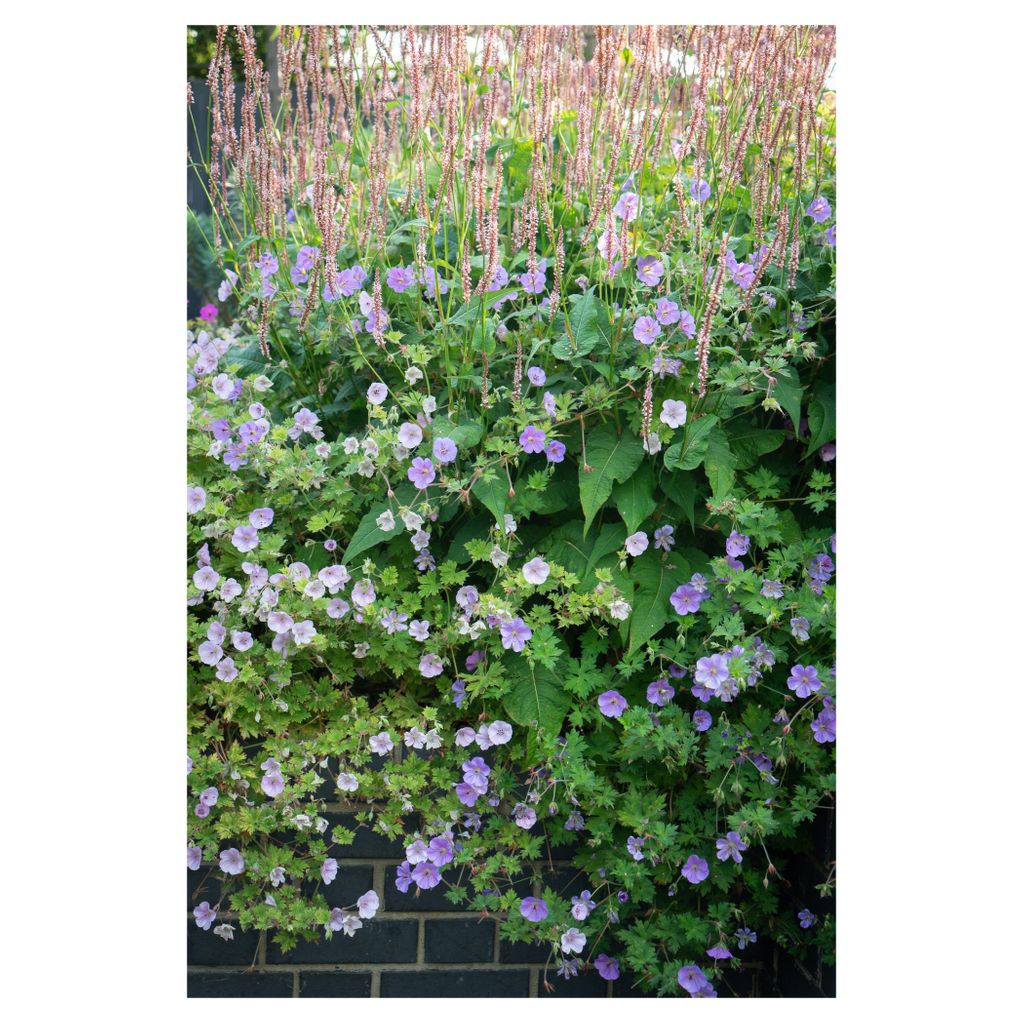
511	443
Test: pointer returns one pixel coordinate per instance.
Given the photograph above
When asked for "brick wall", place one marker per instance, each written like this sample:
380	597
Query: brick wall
415	946
419	946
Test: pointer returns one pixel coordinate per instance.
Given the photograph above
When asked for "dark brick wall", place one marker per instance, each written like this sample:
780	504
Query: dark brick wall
416	946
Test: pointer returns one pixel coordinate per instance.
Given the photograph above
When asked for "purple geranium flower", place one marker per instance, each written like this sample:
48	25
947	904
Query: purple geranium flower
646	329
737	544
719	952
421	473
426	875
607	966
533	908
691	978
701	720
819	209
445	450
532	440
685	599
695	869
660	692
804	680
555	451
731	845
612	704
515	634
806	918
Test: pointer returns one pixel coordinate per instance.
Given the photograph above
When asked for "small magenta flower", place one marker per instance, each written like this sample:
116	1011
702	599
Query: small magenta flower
555	452
533	908
532	440
421	473
819	210
803	680
649	270
205	915
612	704
730	846
646	330
806	918
695	869
607	966
209	314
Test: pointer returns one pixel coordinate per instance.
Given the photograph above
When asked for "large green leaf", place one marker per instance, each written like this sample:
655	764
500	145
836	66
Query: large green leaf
588	326
368	534
748	444
681	488
493	494
655	575
821	417
568	547
536	698
688	453
611	458
719	464
464	434
789	394
634	497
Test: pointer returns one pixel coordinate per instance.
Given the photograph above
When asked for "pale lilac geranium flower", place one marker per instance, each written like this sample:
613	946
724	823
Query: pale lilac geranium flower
719	952
627	207
537	376
806	918
430	666
196	499
440	851
231	861
712	671
737	544
205	915
206	578
702	720
329	870
673	413
426	875
691	978
771	589
687	324
400	278
272	784
637	543
525	817
536	571
279	622
745	936
368	904
382	743
347	782
700	190
210	652
499	733
363	594
612	704
195	858
409	435
635	847
376	393
303	632
573	941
